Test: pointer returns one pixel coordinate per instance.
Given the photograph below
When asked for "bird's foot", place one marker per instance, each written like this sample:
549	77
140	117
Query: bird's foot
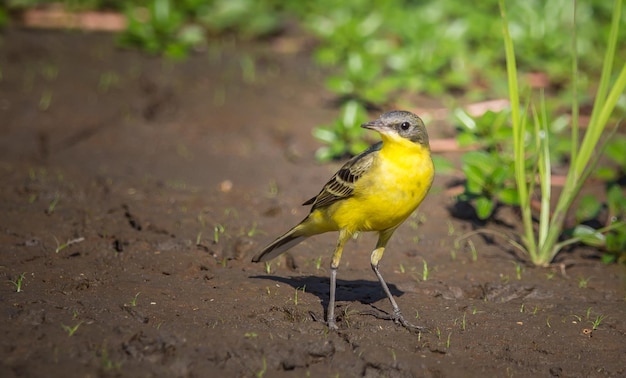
399	319
396	317
332	325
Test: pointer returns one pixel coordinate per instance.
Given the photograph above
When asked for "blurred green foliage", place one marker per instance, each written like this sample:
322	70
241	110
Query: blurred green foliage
610	213
381	52
343	136
377	49
488	170
610	235
177	27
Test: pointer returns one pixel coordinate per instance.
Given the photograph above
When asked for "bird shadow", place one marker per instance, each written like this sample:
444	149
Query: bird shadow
366	292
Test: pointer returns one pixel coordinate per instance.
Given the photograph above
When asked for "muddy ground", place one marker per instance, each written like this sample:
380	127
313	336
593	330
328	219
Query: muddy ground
135	191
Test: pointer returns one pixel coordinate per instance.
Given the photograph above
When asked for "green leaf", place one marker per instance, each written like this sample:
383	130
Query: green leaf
616	200
615	150
608	258
616	240
484	207
324	134
509	196
323	154
466	139
465	120
481	160
500	175
606	173
588	208
475	179
589	236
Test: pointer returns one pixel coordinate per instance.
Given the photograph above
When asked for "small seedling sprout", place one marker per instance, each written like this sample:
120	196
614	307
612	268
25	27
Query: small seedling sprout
596	323
295	296
261	373
473	250
45	100
518	270
107	363
133	302
253	230
318	262
451	229
18	282
217	230
61	247
583	282
53	204
71	330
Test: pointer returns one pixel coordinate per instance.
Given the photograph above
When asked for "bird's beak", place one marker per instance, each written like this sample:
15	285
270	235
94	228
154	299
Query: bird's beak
376	125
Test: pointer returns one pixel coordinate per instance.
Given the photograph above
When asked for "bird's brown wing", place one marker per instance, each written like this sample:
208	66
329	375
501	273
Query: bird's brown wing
341	185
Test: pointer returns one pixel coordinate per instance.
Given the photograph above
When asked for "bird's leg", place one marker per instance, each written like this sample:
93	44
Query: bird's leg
375	258
334	264
397	314
331	301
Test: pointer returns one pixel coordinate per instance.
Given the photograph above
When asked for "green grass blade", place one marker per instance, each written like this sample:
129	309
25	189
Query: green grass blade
519	131
545	173
575	105
583	164
602	107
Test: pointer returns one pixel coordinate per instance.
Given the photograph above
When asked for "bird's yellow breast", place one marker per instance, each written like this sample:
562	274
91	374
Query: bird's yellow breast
397	182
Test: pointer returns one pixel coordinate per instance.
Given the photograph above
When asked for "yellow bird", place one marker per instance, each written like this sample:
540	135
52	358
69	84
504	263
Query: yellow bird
374	191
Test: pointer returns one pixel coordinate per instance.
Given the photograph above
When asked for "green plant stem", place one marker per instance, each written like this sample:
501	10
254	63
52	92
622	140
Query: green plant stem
519	131
575	106
543	250
545	176
580	168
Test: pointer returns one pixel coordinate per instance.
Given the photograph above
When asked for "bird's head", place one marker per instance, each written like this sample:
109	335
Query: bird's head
400	126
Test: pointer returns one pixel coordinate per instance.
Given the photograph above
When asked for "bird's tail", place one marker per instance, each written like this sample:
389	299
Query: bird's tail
280	245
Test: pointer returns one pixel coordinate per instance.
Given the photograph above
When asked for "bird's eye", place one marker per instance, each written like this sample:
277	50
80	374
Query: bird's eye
405	126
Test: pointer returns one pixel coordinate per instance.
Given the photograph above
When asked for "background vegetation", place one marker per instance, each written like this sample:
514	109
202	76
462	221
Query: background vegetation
382	54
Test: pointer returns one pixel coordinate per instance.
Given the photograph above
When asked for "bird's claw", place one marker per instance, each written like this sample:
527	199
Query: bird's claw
332	325
397	318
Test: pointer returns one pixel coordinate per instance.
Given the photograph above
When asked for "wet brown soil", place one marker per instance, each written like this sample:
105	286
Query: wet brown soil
135	191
